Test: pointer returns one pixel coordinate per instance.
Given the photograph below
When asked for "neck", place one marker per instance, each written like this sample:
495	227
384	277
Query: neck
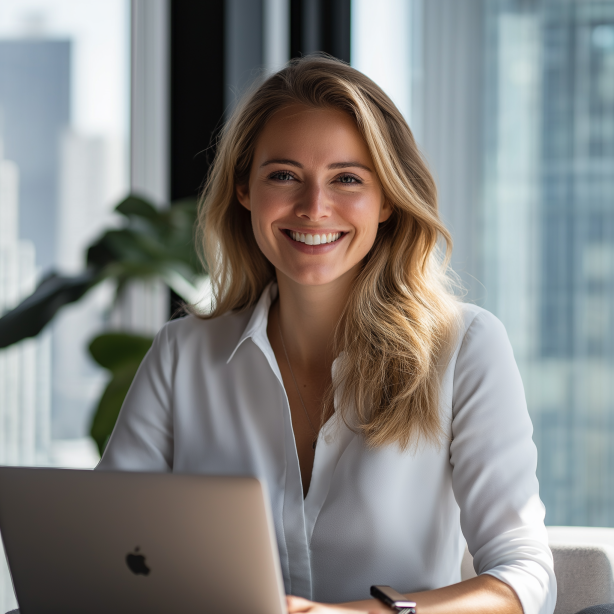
308	316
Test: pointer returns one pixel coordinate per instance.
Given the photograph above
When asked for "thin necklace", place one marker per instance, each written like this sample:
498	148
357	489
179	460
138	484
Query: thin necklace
315	432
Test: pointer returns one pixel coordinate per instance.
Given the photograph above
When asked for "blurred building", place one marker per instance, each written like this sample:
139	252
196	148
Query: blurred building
548	242
85	186
512	103
68	181
24	367
576	311
65	82
35	103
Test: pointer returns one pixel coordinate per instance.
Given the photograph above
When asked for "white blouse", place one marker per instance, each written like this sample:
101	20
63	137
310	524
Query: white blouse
209	398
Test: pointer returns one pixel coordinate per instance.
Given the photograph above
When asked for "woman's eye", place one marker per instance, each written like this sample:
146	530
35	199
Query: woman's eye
348	179
282	176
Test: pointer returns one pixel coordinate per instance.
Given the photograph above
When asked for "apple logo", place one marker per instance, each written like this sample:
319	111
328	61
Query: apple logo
136	563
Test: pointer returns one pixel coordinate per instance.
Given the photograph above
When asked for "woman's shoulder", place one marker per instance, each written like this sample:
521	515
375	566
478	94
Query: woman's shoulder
215	336
484	367
482	342
480	328
478	320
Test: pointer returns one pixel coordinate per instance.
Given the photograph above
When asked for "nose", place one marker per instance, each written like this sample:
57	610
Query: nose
313	203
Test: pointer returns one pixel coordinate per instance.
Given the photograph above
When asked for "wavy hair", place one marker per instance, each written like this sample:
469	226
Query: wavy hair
398	327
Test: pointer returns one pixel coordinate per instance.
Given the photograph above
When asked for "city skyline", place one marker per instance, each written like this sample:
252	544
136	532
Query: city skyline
65	94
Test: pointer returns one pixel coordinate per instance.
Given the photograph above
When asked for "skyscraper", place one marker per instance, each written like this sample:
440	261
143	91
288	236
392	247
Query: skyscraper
25	367
34	111
83	208
549	235
577	266
64	198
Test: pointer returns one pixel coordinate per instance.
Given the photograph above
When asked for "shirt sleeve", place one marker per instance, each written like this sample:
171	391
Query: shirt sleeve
494	463
142	439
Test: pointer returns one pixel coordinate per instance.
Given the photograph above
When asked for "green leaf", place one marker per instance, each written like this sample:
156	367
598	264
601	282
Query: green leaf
154	243
113	350
136	206
110	404
34	312
121	354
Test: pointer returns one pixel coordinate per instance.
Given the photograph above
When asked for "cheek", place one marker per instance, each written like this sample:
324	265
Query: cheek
268	205
266	208
363	213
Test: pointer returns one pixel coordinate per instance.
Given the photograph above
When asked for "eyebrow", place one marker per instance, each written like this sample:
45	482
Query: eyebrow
333	166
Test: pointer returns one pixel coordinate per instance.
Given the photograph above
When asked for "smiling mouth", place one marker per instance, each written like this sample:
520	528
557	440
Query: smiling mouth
314	239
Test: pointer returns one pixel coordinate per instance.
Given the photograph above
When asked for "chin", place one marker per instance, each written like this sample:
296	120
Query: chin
315	278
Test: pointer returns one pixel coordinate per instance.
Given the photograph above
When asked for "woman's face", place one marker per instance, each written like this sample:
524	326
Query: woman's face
314	196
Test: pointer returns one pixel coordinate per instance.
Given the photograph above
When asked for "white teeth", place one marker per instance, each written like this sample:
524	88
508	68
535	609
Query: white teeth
309	239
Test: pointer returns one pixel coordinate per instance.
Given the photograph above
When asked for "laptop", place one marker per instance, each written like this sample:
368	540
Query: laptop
98	542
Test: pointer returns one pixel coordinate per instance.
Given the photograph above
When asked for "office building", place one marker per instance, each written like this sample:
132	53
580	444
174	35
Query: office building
35	103
512	103
548	240
85	186
69	183
25	389
24	367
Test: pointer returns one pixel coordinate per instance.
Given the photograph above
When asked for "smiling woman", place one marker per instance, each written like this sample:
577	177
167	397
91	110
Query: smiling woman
386	418
321	185
319	147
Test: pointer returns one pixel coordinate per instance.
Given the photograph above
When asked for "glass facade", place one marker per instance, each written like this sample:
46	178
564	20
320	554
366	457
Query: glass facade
548	247
512	102
578	262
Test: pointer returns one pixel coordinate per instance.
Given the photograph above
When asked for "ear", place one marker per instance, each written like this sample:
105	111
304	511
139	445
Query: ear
242	192
385	211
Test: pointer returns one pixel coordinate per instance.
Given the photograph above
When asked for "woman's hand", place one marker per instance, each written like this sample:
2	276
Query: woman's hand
298	605
482	595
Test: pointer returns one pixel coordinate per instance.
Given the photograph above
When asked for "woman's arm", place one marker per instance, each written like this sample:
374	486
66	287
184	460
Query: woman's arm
493	463
481	595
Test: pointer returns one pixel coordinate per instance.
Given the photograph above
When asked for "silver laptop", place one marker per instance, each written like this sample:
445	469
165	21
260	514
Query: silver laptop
98	542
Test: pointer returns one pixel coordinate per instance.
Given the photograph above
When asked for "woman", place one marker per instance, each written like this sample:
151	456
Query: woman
337	365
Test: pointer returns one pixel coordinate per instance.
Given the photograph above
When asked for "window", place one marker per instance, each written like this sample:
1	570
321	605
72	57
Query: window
512	103
64	164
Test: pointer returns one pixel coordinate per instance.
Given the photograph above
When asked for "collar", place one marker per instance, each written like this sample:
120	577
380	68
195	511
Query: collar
257	325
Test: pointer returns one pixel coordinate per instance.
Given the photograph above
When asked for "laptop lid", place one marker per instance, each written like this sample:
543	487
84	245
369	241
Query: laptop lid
122	542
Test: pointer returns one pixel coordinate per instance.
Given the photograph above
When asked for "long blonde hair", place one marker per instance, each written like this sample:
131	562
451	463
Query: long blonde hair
400	321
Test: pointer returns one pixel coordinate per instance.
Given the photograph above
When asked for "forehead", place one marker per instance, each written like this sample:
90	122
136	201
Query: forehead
300	130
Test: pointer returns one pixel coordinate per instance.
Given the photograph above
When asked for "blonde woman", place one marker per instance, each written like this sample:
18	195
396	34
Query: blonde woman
387	418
